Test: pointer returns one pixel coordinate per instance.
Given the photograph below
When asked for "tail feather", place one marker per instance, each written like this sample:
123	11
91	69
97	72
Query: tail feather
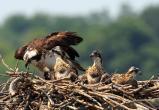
72	53
78	66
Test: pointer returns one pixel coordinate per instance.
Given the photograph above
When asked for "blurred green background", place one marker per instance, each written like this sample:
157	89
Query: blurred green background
129	39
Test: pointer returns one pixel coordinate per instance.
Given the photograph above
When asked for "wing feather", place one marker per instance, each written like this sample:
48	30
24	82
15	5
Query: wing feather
61	39
71	52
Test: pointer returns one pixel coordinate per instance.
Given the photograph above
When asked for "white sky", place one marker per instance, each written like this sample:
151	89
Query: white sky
68	7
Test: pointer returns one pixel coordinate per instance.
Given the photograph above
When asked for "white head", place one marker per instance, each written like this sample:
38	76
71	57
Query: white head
133	69
31	54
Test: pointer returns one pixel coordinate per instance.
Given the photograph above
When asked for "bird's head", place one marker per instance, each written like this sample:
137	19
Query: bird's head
134	69
31	54
96	56
19	53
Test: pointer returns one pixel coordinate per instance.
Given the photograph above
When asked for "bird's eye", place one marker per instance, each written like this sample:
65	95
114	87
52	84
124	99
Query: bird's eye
62	71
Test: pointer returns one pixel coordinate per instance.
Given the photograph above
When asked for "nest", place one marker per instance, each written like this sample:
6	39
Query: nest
26	91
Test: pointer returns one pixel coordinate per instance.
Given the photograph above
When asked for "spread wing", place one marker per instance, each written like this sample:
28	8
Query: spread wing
61	39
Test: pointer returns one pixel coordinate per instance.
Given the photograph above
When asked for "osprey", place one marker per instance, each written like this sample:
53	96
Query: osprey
39	52
96	73
126	78
64	68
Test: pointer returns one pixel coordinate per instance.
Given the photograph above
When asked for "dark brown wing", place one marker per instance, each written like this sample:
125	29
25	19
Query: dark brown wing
37	44
76	65
20	52
72	53
61	39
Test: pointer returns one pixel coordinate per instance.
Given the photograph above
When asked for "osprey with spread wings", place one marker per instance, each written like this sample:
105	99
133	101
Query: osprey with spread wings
40	52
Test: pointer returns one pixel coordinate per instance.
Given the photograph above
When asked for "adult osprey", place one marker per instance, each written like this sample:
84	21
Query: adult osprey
39	51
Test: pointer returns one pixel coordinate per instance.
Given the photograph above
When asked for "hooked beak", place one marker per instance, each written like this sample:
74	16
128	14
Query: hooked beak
140	72
27	63
91	55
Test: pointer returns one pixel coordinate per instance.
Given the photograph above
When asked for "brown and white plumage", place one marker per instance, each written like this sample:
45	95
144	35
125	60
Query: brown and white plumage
126	78
95	72
39	51
63	68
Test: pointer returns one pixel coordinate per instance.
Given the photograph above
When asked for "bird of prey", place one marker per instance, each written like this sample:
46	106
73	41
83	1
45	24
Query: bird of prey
96	72
39	52
64	68
126	78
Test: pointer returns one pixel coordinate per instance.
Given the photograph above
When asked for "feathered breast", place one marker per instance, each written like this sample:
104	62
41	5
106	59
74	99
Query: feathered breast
122	78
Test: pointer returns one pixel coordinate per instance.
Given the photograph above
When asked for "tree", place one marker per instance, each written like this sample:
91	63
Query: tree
151	17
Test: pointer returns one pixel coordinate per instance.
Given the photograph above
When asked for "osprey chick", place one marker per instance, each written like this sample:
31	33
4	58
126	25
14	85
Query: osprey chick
126	78
63	68
96	71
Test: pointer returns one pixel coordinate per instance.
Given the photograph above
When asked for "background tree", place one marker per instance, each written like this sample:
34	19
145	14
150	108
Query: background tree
129	40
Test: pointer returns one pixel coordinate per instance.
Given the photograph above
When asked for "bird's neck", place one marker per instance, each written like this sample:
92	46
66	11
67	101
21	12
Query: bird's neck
131	74
97	62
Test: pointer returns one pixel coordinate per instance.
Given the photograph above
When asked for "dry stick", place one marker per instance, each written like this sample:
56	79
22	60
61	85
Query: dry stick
105	99
142	100
2	84
7	66
107	96
43	80
50	100
89	104
136	90
13	85
150	89
137	104
16	67
4	87
119	104
8	97
72	108
142	104
58	80
85	87
105	87
17	74
4	75
120	89
109	102
64	105
30	108
27	102
88	96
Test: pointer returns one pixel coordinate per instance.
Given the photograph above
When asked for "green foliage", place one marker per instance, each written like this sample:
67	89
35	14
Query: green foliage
129	40
151	16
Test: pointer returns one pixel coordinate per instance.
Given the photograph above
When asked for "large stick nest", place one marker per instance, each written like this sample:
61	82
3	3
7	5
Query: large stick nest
26	91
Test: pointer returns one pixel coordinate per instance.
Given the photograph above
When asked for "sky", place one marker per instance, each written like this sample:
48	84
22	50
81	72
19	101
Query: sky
67	7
